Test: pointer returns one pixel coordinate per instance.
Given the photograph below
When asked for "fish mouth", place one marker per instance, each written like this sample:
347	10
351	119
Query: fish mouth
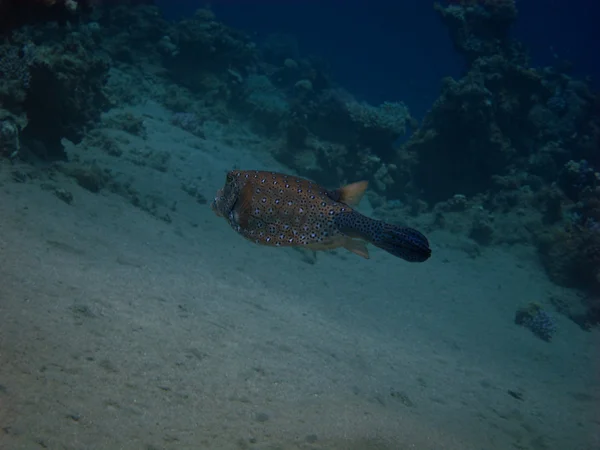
217	201
213	206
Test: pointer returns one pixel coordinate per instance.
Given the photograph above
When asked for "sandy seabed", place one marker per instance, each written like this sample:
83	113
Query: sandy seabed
119	330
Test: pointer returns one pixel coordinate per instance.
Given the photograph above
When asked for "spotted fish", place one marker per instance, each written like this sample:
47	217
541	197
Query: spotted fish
280	210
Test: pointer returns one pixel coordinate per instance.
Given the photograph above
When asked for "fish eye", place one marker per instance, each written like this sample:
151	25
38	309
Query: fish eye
229	178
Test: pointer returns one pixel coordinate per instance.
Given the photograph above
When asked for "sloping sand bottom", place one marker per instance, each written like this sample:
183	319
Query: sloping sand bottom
122	331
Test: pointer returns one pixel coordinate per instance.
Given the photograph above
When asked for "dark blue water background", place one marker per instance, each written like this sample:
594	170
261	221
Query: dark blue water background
399	50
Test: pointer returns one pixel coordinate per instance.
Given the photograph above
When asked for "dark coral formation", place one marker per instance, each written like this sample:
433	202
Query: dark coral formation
65	95
200	51
537	320
502	116
52	74
52	78
479	28
16	13
333	137
515	139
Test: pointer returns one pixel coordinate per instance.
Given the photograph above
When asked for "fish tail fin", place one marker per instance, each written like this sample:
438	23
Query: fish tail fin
403	242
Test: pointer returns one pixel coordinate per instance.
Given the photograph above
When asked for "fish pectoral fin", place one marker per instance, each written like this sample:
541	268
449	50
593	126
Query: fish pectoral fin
242	208
352	194
357	247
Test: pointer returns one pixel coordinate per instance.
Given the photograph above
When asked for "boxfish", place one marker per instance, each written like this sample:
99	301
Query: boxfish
279	210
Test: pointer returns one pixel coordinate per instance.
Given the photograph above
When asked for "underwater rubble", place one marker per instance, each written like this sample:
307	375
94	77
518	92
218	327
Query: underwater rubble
507	154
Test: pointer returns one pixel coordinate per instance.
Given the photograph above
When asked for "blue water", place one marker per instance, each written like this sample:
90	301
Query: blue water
399	50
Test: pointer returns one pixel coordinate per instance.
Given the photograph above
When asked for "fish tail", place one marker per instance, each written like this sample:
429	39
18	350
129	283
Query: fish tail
403	242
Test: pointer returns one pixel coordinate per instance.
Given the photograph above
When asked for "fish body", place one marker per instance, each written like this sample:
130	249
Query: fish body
279	210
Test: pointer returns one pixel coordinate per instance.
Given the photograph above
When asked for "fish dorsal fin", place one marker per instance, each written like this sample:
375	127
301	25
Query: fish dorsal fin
351	194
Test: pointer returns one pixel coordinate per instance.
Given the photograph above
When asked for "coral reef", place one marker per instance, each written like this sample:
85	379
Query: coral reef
538	321
64	97
199	53
52	80
503	115
16	13
480	27
10	144
571	256
590	317
345	138
519	141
